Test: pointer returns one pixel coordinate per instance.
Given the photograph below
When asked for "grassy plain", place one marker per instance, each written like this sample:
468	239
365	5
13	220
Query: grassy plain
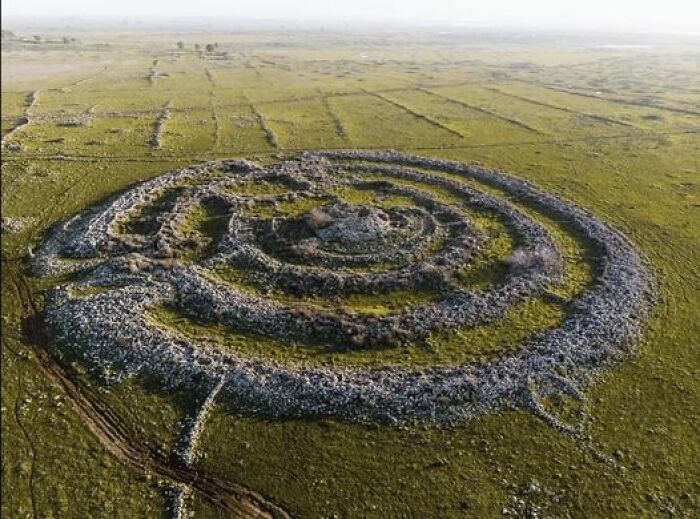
617	130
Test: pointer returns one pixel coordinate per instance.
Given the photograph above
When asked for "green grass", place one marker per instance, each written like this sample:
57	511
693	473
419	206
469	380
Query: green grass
257	189
288	208
207	220
642	179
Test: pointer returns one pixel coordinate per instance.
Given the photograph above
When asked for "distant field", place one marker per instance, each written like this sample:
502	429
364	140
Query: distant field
615	131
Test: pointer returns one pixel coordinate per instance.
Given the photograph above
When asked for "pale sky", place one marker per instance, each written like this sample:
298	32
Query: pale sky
653	15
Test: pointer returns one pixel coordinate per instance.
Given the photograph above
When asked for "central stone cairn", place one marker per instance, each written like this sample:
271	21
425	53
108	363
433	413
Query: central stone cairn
347	225
331	247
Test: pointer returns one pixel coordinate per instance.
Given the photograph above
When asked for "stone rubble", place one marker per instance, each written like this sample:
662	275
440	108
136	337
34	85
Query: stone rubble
12	225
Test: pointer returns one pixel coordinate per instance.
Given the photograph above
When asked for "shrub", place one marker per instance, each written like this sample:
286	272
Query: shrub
317	218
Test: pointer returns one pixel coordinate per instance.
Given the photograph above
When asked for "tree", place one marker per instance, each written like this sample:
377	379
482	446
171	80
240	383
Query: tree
197	46
210	47
66	40
181	45
37	38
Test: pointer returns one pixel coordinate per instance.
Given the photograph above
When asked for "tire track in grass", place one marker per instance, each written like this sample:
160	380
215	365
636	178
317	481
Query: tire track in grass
486	111
230	498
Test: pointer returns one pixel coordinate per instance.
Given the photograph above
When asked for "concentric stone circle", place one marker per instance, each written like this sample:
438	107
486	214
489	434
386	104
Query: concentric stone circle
338	248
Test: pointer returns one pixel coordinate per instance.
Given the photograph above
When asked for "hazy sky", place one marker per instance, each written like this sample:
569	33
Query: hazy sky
677	15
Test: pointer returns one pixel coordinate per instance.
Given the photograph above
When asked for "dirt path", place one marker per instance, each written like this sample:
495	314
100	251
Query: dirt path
231	499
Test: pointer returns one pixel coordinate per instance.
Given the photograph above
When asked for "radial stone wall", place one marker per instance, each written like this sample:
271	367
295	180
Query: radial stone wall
336	248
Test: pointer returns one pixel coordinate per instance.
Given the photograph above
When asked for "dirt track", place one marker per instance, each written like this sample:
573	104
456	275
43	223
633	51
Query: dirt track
232	500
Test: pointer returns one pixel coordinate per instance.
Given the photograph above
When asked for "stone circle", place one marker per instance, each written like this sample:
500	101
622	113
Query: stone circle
327	246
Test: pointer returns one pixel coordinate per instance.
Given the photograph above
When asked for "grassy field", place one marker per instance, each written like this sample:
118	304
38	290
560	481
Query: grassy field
615	130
